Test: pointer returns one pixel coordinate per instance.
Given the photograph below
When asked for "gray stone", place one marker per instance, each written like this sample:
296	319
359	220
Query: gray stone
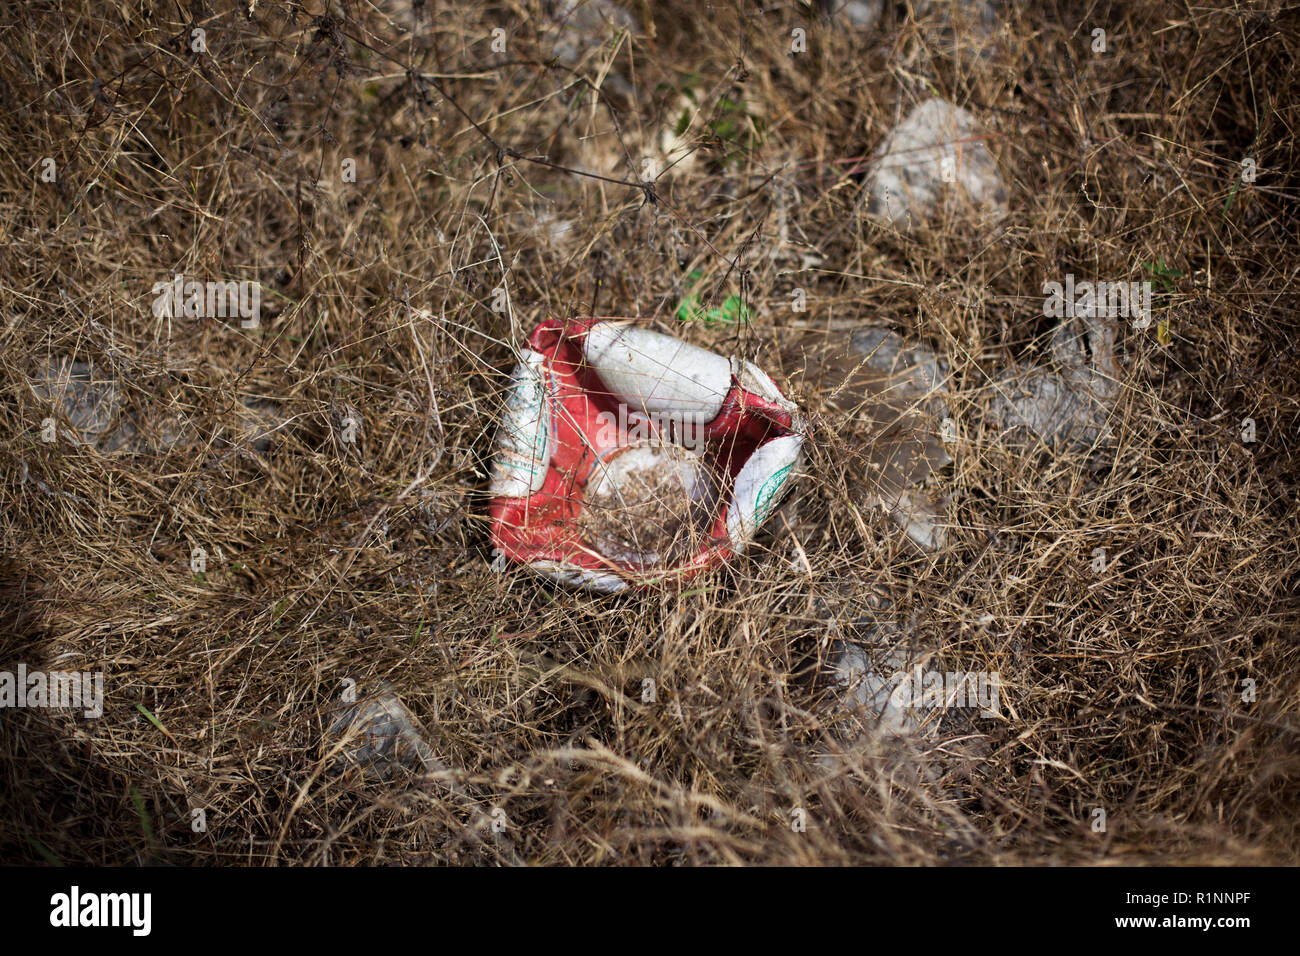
922	514
93	404
871	651
865	678
876	666
916	372
967	26
893	400
855	14
936	140
150	433
379	735
918	378
584	26
258	423
89	400
1066	408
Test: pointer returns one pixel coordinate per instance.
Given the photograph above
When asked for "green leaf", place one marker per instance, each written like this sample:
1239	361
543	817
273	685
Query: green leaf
46	855
153	720
145	824
683	124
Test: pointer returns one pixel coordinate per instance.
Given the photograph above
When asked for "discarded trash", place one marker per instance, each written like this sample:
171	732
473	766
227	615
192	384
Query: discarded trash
937	145
628	457
380	735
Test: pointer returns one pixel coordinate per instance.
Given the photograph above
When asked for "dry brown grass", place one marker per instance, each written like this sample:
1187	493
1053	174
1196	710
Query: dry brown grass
370	562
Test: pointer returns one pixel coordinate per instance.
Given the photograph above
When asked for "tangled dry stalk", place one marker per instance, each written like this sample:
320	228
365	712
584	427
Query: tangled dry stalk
394	302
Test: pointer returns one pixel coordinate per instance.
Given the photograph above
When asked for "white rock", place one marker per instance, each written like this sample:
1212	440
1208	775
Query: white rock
959	25
922	514
380	734
932	159
584	26
855	14
866	680
675	149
